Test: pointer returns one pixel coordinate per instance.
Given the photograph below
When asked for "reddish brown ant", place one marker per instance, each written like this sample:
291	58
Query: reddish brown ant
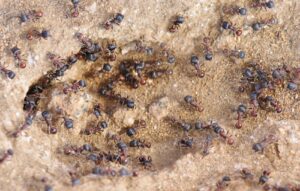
176	24
229	26
259	25
75	12
242	113
183	125
266	4
196	63
34	33
17	55
246	174
75	87
97	110
137	125
28	121
117	19
260	146
47	117
122	157
158	73
139	143
222	184
220	131
75	150
31	15
268	102
109	52
207	48
207	143
145	161
264	177
234	10
234	53
186	142
122	100
193	103
8	153
89	47
57	61
8	73
95	129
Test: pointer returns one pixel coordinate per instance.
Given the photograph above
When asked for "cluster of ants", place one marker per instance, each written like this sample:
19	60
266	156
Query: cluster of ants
131	73
259	84
263	179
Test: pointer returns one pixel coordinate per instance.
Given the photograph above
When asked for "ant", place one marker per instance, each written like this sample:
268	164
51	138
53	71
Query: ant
269	101
75	3
259	25
264	177
68	122
28	121
292	86
196	63
72	150
97	110
268	4
145	161
186	142
139	67
200	126
278	75
122	100
260	146
234	53
17	55
117	19
222	184
229	26
185	126
47	117
74	87
98	128
207	143
254	103
241	111
137	125
110	51
139	143
105	69
246	174
31	15
122	157
158	73
88	45
74	178
8	153
104	172
207	49
179	20
31	34
193	103
220	131
235	10
57	61
8	73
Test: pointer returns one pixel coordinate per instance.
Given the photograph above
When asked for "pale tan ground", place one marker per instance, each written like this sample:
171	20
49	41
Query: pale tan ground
175	169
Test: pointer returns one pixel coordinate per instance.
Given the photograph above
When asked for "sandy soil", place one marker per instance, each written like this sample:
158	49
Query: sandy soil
37	154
